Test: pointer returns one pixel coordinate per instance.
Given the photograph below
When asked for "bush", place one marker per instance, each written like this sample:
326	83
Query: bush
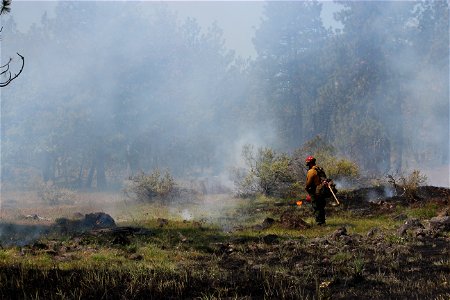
415	179
341	169
145	187
407	185
273	174
244	182
337	168
266	172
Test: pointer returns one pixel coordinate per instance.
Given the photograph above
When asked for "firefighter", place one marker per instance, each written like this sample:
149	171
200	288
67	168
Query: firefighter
313	183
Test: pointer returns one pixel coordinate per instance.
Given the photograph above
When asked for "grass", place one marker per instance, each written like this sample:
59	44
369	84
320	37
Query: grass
426	211
222	255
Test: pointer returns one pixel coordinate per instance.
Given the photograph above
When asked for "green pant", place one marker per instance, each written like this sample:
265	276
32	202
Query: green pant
318	205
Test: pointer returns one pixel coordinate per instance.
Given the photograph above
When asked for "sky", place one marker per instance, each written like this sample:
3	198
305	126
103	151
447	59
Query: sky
238	19
238	24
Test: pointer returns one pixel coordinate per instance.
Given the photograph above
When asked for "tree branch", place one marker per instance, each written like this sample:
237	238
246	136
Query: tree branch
10	76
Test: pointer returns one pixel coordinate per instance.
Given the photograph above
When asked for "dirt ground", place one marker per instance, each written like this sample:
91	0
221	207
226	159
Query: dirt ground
374	247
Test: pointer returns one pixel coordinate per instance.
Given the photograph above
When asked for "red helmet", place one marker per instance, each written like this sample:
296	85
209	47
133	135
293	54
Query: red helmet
310	159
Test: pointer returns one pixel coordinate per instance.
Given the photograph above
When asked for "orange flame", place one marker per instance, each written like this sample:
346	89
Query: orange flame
299	203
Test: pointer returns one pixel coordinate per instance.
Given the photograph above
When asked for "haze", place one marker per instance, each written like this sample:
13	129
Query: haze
115	88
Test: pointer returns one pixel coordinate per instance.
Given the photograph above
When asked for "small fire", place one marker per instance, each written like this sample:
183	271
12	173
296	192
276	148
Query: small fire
299	203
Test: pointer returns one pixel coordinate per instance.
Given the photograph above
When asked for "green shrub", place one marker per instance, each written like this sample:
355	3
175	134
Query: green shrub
266	172
281	175
147	187
337	168
341	168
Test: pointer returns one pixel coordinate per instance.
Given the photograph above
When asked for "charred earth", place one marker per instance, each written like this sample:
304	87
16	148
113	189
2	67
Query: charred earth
377	245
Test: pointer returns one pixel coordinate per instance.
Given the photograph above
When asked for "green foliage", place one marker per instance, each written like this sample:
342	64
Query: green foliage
335	167
353	86
267	172
190	259
148	187
342	168
274	174
170	121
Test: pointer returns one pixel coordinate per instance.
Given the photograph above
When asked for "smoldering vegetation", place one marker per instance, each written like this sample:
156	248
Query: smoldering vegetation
131	131
113	89
390	249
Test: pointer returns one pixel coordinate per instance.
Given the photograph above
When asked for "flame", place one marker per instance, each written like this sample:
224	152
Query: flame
299	203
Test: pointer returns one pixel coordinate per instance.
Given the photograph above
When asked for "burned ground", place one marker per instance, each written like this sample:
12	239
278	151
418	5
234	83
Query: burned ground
391	248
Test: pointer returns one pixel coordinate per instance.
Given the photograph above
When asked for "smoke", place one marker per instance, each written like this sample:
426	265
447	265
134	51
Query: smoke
379	194
126	79
20	235
423	119
142	88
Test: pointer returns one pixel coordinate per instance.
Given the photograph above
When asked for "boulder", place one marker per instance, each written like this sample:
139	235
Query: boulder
98	220
440	223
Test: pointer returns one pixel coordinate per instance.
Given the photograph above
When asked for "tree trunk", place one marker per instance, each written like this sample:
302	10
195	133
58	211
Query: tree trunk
90	176
100	166
48	172
97	168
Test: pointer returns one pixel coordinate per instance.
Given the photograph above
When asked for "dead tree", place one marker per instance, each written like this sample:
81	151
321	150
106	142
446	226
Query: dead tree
6	74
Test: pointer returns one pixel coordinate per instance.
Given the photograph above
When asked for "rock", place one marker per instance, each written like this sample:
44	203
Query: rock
136	256
224	248
257	227
444	213
346	239
319	241
98	220
258	267
440	223
421	233
410	224
338	233
268	222
36	217
270	238
400	217
373	231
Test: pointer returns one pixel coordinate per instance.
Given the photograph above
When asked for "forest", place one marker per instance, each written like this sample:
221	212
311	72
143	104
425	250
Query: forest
142	158
96	104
